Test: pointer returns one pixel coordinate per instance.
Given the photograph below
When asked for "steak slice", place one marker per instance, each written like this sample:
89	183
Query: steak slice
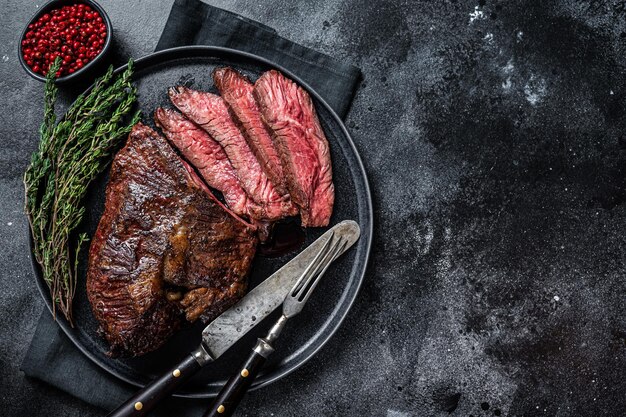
236	90
289	112
206	155
162	233
211	113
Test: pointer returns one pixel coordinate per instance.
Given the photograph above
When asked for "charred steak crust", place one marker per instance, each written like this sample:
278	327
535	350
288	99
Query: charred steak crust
161	228
236	90
211	113
288	111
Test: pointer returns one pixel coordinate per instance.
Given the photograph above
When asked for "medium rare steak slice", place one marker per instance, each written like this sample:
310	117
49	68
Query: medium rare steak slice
289	112
236	90
211	113
206	155
162	236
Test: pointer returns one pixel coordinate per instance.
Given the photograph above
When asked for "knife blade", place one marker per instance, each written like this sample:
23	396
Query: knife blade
235	388
234	323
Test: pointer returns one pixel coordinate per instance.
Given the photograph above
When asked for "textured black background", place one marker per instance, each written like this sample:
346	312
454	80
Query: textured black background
494	134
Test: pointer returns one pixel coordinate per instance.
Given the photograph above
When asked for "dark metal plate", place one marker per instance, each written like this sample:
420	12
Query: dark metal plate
326	309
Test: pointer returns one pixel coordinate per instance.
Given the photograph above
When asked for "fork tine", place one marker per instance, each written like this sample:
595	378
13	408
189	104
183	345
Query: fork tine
307	290
312	274
314	263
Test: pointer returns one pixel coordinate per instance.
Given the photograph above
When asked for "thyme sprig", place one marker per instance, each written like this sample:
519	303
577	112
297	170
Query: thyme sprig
71	154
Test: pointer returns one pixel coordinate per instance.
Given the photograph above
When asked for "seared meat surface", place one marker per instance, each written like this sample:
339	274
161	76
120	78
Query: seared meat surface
162	237
298	136
166	250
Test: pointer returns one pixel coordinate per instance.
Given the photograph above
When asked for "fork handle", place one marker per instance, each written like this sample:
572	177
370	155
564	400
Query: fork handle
231	394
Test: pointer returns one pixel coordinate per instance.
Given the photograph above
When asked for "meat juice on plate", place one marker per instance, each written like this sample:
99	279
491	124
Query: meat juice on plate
286	237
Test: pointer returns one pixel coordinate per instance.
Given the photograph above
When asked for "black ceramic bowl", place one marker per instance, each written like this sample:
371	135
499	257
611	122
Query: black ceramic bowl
55	4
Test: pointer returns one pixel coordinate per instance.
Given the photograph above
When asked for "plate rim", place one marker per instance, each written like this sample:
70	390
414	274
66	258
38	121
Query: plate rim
64	324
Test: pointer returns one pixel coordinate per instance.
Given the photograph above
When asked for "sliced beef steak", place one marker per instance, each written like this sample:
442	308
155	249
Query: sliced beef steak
236	90
289	112
206	155
211	113
162	235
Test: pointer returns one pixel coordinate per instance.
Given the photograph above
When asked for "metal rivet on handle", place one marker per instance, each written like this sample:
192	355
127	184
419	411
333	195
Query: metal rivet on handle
176	373
138	405
245	373
221	409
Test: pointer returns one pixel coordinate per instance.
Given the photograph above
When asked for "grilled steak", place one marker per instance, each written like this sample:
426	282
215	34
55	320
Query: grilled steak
162	236
211	113
236	90
289	112
206	155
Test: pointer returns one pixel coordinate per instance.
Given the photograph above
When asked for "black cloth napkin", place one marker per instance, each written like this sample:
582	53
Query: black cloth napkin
52	357
192	22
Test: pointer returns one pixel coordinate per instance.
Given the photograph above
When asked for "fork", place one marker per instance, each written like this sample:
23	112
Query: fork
233	391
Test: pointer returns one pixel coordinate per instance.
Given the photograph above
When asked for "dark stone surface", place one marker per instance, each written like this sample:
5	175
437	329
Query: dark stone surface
495	138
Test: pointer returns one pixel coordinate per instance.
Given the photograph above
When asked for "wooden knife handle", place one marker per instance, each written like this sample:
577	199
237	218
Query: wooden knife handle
146	399
231	394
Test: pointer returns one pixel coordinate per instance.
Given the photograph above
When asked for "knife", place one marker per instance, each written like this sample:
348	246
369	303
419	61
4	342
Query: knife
231	394
234	323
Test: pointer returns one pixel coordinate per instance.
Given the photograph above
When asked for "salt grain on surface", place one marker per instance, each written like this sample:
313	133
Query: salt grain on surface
535	90
476	14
